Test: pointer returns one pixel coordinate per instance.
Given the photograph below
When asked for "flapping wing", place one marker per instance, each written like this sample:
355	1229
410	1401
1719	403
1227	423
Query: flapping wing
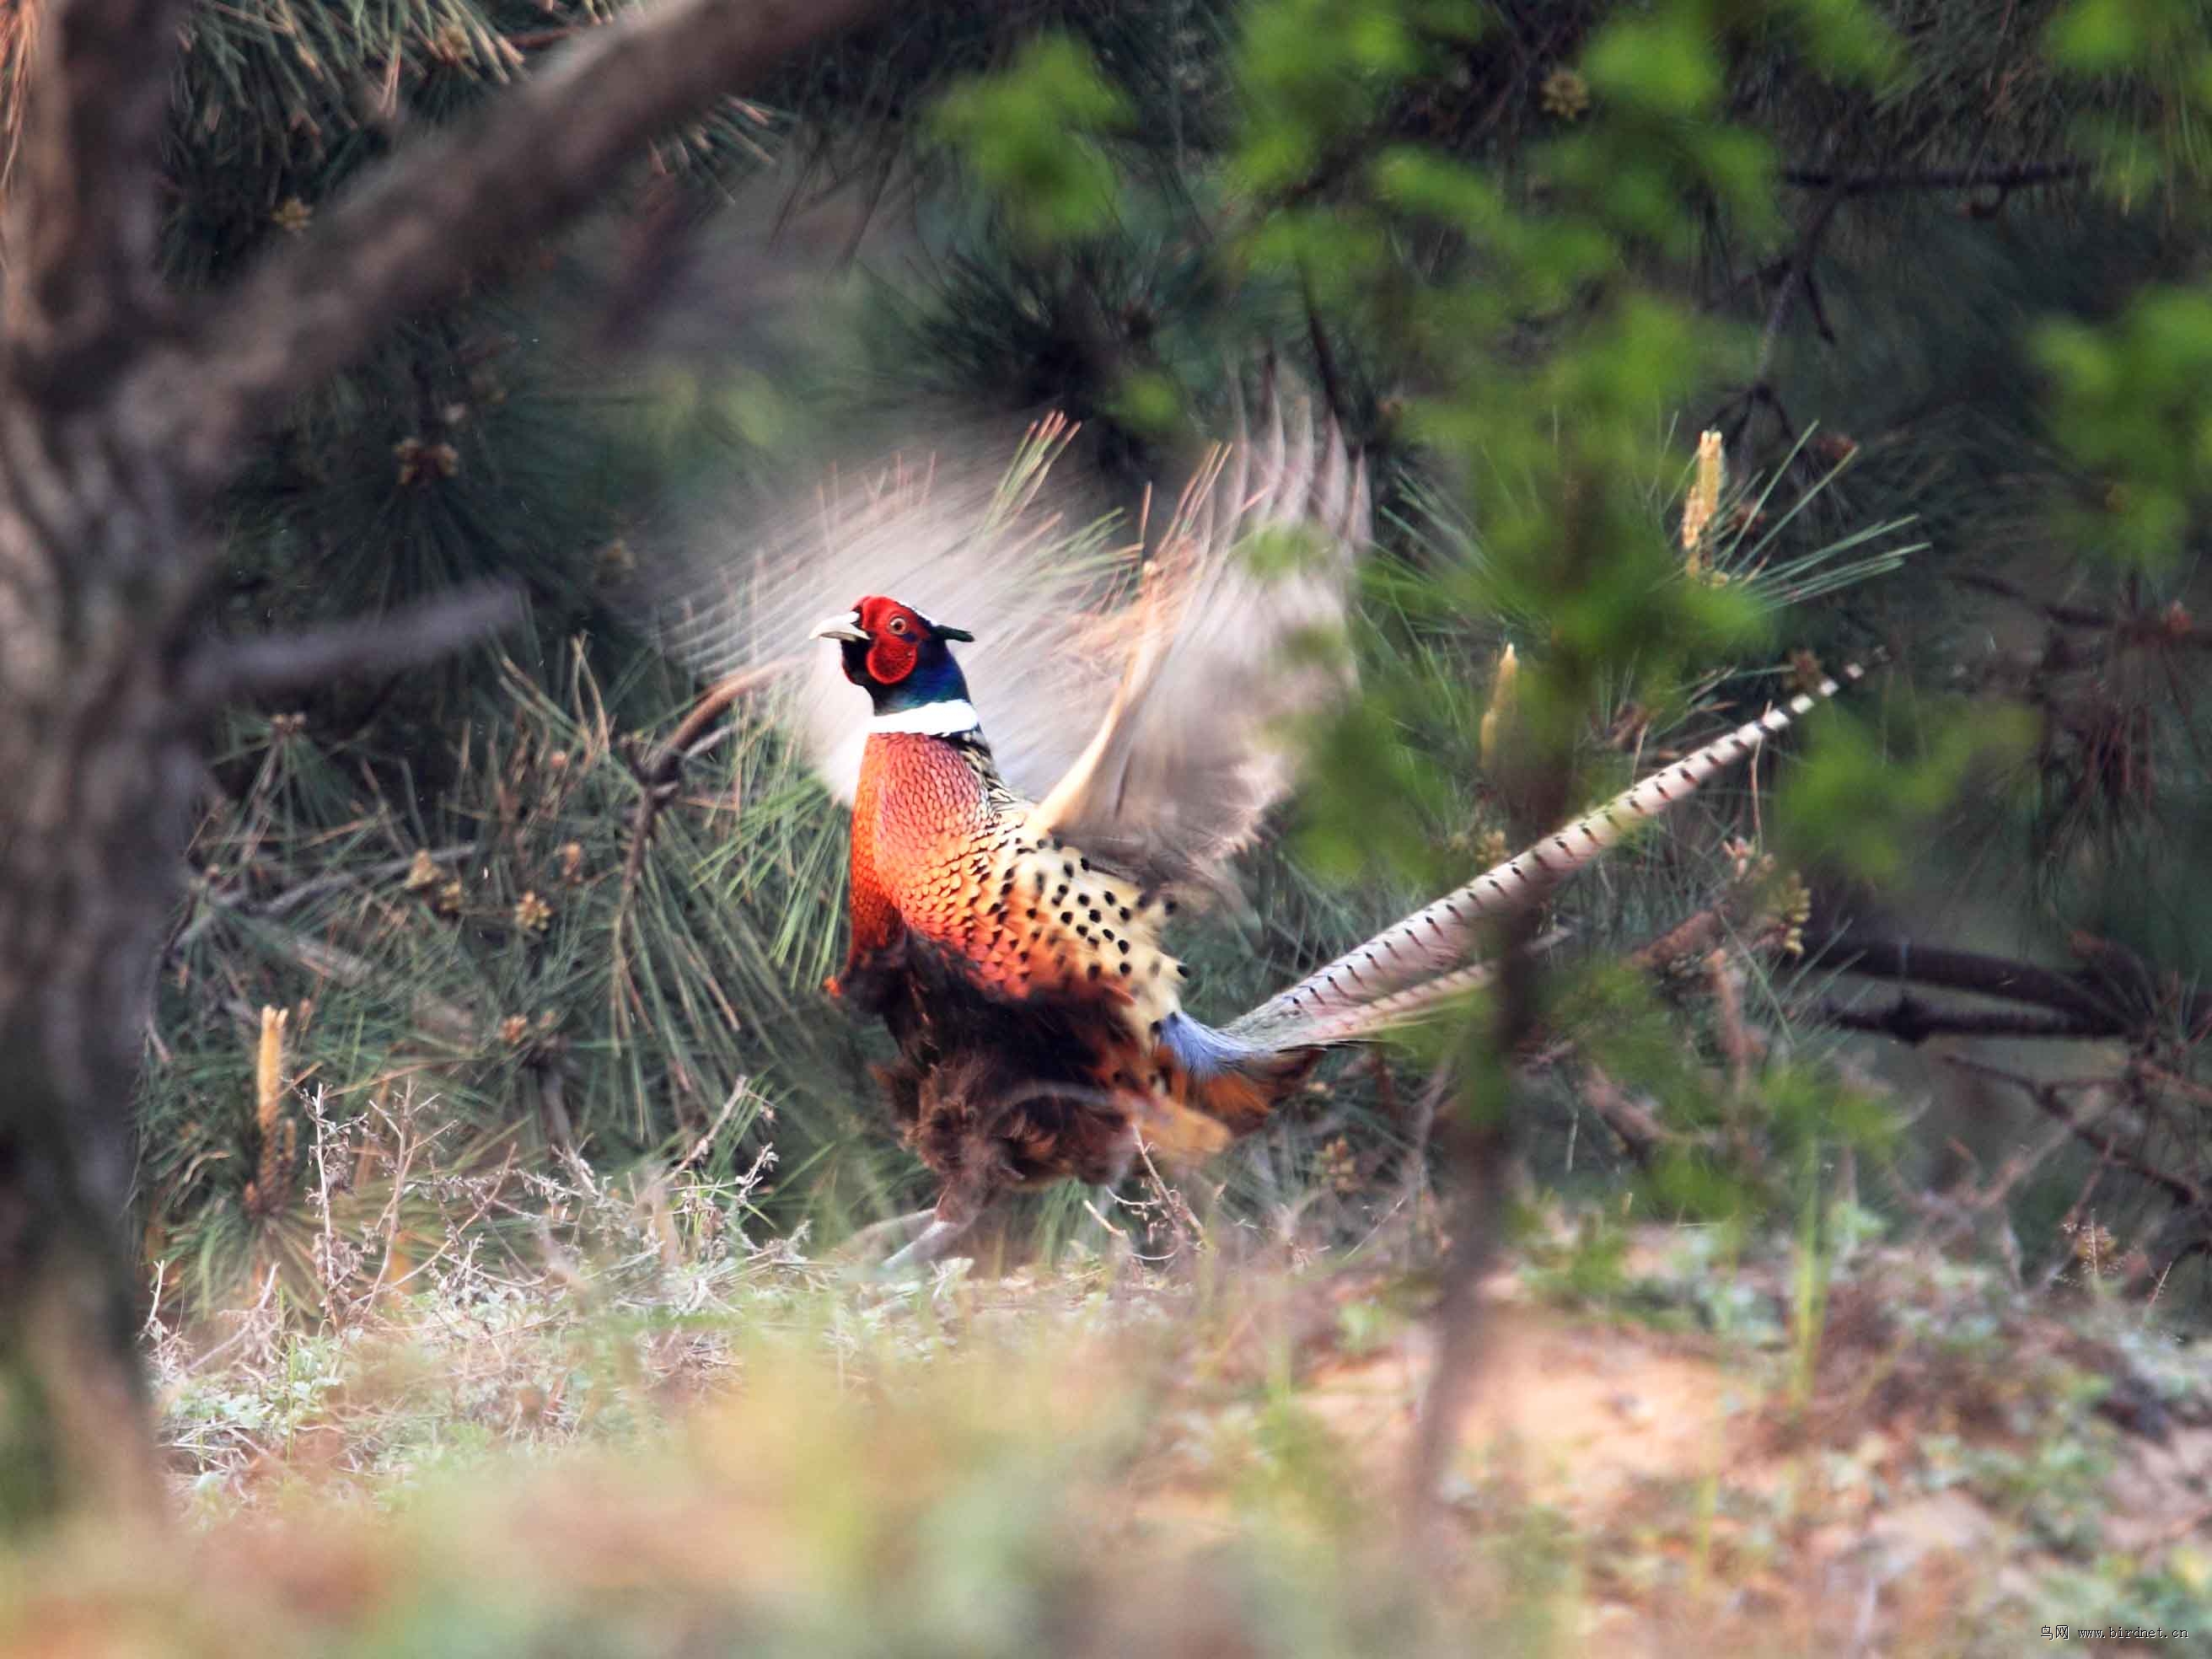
1143	698
1237	631
1010	553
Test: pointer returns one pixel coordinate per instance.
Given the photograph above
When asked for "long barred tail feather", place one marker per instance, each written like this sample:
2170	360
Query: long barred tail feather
1395	1010
1397	975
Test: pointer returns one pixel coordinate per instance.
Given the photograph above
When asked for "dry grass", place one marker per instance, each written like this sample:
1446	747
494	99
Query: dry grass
620	1429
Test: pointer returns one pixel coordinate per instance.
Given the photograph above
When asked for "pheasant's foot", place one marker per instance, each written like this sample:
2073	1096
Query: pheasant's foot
937	1239
923	1238
873	1243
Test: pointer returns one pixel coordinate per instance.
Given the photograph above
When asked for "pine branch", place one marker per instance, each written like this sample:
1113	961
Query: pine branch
659	776
535	158
2051	1098
219	900
2064	616
1966	970
1998	179
1913	1021
1638	1128
236	670
1796	270
1796	280
1332	383
2172	626
1692	937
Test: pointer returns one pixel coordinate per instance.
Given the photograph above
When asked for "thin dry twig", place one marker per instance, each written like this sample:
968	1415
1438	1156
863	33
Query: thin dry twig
1958	1212
2050	1097
1638	1128
660	775
1171	1204
705	1143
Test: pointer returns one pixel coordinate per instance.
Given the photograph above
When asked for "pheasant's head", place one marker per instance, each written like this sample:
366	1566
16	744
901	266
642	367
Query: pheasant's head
899	657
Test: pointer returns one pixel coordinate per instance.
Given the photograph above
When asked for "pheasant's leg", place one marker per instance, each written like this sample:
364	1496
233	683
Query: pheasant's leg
954	1215
936	1238
884	1235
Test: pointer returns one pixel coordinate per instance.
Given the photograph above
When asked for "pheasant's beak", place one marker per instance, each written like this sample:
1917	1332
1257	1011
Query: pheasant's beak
845	628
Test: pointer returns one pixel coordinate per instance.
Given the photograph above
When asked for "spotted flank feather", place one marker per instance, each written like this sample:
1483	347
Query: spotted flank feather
1004	958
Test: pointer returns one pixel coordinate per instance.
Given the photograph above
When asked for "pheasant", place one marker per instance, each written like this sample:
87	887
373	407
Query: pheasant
1038	1017
1014	946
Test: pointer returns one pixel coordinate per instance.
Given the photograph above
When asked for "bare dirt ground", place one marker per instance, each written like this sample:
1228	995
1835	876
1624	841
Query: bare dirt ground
1905	1457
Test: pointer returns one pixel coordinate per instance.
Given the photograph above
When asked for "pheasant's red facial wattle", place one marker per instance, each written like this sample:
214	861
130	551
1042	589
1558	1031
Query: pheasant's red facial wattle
892	657
894	635
899	640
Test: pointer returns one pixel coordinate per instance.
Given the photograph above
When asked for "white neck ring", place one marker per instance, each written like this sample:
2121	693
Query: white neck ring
949	719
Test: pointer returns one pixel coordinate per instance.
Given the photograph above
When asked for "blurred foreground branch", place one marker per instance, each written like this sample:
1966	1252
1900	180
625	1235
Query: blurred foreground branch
242	671
412	235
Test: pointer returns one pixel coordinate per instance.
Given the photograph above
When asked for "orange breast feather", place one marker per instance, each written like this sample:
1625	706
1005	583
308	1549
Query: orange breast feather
939	848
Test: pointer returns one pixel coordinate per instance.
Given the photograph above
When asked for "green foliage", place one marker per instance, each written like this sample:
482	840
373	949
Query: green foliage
1589	1268
1302	102
2161	51
1529	250
2054	1487
1028	136
2132	406
2098	36
2175	1595
1856	807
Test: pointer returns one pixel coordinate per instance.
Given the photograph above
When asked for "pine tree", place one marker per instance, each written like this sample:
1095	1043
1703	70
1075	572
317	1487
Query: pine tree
1888	204
1927	269
1895	203
129	413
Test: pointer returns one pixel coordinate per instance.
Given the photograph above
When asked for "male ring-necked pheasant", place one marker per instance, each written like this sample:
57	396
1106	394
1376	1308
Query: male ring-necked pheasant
1012	944
1038	1017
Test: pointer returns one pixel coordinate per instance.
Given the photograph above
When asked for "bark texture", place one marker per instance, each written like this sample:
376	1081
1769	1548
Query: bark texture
121	413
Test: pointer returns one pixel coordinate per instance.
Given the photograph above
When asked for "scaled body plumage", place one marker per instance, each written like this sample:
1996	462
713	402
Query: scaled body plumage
1038	1017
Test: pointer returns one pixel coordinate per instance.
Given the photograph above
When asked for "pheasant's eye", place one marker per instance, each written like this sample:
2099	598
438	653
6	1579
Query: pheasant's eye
898	624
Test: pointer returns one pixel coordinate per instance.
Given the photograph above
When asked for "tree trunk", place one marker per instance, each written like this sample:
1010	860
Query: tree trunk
99	774
122	414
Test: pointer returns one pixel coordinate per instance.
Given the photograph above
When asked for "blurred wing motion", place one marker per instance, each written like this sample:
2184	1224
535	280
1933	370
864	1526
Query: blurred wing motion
1007	552
1237	631
1143	703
